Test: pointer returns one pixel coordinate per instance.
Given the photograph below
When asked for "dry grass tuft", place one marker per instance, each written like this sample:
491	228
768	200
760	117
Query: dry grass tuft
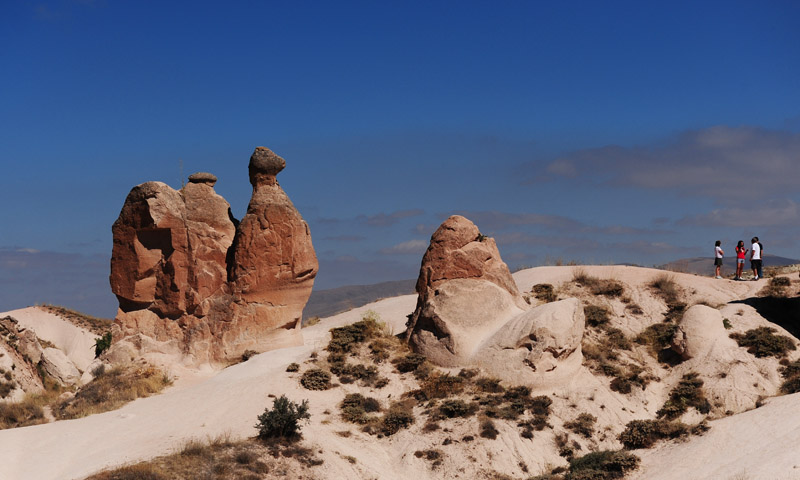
96	325
111	390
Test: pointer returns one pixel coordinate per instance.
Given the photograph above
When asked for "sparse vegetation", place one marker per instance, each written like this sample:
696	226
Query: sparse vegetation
688	393
583	425
602	465
645	433
293	367
248	354
763	342
791	375
96	325
316	379
102	344
457	408
111	390
222	459
356	407
776	287
397	418
597	286
544	292
657	336
596	315
664	286
432	455
488	429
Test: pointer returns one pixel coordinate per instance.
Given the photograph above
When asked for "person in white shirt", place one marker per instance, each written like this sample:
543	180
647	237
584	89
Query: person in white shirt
755	257
718	254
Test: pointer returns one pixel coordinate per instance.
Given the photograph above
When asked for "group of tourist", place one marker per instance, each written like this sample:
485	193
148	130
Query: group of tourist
756	253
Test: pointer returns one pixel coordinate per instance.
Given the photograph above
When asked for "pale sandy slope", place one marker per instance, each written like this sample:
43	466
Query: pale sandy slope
228	402
762	443
76	342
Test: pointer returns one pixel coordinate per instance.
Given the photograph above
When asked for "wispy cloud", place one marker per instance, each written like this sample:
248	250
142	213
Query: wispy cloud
388	219
773	213
729	164
411	247
499	221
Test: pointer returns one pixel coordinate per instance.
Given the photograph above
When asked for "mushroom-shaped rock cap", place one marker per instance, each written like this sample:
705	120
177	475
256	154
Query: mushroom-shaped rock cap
203	177
264	163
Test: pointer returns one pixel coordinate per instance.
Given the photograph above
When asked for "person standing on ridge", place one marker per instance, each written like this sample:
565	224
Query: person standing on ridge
718	254
740	253
755	257
761	263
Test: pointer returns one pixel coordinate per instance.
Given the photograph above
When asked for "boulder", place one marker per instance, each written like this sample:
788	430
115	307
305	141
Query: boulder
58	366
540	344
465	291
192	278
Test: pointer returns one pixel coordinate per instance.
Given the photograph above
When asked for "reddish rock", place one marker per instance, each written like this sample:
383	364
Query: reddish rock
190	279
465	293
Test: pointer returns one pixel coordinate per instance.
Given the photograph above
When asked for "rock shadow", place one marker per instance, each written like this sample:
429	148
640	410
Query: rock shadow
780	311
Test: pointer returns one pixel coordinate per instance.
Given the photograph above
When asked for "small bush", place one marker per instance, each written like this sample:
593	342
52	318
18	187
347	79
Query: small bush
316	379
608	288
602	465
645	433
688	393
658	336
489	385
355	408
583	425
624	380
21	414
441	386
283	419
395	420
544	292
343	339
409	363
665	287
762	342
488	429
791	375
615	339
596	315
102	344
457	408
293	367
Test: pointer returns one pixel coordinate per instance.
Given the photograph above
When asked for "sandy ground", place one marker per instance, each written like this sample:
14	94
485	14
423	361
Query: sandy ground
759	444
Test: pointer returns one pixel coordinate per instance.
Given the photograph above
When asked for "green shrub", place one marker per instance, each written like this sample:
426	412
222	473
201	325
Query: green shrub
583	425
102	344
283	419
762	342
343	339
316	379
615	339
688	393
596	315
645	433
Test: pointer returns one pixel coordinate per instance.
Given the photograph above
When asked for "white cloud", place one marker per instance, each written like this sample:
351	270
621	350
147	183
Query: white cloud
411	247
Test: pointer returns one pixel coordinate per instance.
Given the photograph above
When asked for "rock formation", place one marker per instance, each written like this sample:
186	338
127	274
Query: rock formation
197	282
465	291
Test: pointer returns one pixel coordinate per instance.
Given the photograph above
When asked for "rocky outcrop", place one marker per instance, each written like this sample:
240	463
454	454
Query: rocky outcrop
196	281
58	366
465	291
542	344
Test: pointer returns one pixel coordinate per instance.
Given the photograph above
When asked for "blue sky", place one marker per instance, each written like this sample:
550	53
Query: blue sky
589	131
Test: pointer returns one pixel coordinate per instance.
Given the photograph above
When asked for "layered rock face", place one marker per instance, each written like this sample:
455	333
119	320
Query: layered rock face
197	282
466	293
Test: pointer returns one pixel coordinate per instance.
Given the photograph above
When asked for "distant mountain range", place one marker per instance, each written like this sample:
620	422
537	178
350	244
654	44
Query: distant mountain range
705	265
324	303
